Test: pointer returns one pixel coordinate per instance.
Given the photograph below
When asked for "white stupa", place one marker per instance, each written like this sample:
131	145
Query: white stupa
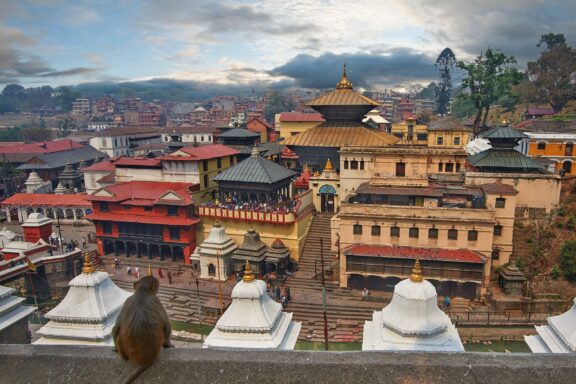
559	336
88	312
412	321
253	320
215	252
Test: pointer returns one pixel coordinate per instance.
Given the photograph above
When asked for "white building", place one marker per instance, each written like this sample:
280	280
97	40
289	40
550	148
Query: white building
559	336
35	184
88	312
412	321
122	141
81	106
213	255
253	320
188	134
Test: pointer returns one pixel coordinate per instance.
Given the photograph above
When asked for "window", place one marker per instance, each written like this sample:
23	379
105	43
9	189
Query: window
414	233
148	209
422	137
346	164
456	141
452	234
126	207
357	229
457	167
375	230
205	181
541	146
209	138
361	165
473	235
400	169
497	230
440	140
201	138
394	231
354	164
205	165
174	233
500	202
495	253
440	167
107	228
449	167
104	206
219	163
231	160
211	270
432	233
172	211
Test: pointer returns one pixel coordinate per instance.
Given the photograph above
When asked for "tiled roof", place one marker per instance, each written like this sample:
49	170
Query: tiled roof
341	97
300	117
412	253
548	126
261	121
47	200
152	191
339	134
505	132
59	159
125	218
138	162
203	152
41	147
500	188
239	132
255	169
448	124
101	166
504	159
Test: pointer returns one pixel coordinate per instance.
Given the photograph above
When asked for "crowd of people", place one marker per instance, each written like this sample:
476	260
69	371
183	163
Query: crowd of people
67	246
231	203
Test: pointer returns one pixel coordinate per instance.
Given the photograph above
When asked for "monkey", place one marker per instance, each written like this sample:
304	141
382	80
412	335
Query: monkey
142	327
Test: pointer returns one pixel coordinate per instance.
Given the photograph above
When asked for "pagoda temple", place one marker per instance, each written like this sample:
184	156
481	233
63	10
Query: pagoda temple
253	319
88	312
343	109
412	321
559	336
213	255
252	250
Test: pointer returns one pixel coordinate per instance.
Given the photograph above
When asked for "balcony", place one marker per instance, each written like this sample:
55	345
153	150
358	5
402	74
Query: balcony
256	216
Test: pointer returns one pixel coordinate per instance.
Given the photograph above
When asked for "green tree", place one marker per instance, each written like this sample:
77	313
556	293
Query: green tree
33	134
276	104
462	107
489	77
553	72
444	63
64	126
567	260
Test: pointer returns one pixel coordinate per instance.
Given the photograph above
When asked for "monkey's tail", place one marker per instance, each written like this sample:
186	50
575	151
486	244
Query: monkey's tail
135	375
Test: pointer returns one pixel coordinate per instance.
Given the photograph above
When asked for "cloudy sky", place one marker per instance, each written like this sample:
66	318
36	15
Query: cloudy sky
386	43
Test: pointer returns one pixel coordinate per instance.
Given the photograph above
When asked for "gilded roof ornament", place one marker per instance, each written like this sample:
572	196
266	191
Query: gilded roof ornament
248	276
344	83
87	268
328	166
416	275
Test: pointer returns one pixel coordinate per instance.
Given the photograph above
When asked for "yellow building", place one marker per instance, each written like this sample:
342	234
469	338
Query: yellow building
448	132
325	188
410	131
292	123
556	147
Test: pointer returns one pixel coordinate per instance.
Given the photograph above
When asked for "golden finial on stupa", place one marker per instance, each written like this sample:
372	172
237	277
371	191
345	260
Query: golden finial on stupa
344	83
328	166
248	276
416	275
149	270
88	268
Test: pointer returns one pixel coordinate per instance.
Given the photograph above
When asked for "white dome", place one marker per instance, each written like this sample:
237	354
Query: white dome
254	290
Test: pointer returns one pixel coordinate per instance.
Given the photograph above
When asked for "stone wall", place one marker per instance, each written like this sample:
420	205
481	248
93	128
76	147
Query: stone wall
99	365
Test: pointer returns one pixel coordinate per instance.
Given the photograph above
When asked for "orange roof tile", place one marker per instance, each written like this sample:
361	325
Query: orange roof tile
339	134
456	255
299	117
341	97
152	191
47	200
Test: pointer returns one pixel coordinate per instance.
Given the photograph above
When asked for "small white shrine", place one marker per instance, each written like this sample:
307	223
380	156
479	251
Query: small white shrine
213	255
13	317
88	312
412	321
559	336
253	320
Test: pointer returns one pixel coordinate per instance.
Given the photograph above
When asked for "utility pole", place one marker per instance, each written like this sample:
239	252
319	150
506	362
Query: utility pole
323	295
199	310
59	231
219	284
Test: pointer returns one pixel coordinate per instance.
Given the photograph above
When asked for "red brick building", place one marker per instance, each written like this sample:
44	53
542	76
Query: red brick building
146	219
263	128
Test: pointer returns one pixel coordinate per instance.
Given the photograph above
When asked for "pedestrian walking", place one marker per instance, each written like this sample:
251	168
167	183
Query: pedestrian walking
446	302
277	292
288	296
129	270
169	274
116	263
137	272
284	302
84	245
160	272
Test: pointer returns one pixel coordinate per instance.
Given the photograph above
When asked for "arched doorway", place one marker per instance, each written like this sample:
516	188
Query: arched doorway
327	196
211	270
567	167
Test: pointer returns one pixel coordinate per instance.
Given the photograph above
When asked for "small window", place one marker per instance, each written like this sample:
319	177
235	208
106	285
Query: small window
440	167
174	233
357	229
104	206
422	136
449	167
172	211
400	169
375	230
452	234
345	164
500	202
107	228
433	233
541	146
440	140
457	167
148	209
205	165
414	233
126	207
354	164
473	235
456	141
219	163
394	231
205	181
495	254
361	165
201	138
497	230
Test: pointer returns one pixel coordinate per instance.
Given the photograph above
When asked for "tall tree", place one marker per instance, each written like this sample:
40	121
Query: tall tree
489	77
276	104
444	63
553	72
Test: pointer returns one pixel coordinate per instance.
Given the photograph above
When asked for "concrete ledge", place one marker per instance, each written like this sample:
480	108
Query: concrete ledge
99	365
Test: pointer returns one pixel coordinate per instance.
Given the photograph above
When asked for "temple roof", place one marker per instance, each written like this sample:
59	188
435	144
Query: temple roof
454	255
559	336
252	248
239	132
504	132
11	307
505	159
255	169
339	134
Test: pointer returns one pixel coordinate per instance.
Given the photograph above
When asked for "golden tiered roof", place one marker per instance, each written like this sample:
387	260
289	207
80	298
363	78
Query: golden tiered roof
339	134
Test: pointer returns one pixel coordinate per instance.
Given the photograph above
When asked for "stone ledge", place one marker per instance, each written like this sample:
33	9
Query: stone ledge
99	365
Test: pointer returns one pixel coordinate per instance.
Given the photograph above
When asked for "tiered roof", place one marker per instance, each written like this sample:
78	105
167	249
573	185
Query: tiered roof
559	336
252	249
339	134
12	310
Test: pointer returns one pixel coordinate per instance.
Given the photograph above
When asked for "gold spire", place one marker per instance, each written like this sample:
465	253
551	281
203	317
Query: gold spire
344	83
149	270
416	275
328	166
248	276
88	268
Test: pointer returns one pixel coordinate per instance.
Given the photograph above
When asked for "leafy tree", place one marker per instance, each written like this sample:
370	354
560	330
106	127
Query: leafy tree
489	77
64	126
444	63
462	107
429	92
276	104
553	72
567	260
13	91
32	134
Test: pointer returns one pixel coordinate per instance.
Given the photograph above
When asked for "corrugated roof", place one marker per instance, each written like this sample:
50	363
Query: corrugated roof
339	134
412	253
239	132
101	166
505	132
504	158
500	188
341	97
41	147
47	200
205	152
137	162
59	159
255	169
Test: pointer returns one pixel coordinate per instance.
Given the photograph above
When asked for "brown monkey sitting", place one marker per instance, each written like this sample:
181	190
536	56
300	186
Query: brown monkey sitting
142	327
